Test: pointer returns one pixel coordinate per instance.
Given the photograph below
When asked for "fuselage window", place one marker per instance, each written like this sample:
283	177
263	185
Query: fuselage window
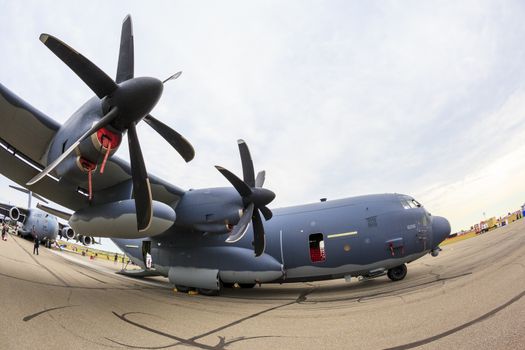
317	252
410	204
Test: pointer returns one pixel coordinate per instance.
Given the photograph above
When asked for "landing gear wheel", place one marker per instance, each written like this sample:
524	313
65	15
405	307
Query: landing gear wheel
246	285
208	292
182	289
397	273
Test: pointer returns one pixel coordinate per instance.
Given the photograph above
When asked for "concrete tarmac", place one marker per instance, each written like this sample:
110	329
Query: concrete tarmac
470	297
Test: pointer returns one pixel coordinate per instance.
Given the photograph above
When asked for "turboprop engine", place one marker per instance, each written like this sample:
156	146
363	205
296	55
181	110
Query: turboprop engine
213	210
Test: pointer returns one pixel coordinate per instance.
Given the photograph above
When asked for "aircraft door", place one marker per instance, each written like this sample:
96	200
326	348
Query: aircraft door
317	248
146	254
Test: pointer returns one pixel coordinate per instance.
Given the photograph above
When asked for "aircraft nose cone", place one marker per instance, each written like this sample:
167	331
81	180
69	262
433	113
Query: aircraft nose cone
440	229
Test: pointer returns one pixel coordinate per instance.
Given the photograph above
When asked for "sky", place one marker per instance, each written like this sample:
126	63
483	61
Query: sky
334	98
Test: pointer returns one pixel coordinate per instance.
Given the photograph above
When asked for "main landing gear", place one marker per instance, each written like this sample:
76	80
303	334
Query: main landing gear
202	291
397	273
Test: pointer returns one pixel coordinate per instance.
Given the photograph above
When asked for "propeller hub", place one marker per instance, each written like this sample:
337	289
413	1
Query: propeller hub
135	98
260	196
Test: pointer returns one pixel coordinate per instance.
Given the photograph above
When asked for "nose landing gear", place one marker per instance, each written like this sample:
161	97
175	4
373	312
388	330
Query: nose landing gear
397	273
435	252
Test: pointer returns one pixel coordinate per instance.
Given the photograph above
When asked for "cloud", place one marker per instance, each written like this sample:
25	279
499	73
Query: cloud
334	100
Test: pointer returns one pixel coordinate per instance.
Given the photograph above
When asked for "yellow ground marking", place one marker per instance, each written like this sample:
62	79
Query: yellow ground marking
459	238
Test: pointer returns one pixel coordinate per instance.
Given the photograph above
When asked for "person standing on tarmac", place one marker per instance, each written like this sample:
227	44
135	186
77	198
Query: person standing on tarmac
35	247
37	243
4	232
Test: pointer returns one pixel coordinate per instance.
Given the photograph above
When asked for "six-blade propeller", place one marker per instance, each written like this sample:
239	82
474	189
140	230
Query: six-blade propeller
126	102
255	198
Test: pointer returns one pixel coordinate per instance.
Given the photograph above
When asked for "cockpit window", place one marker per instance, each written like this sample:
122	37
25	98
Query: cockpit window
410	203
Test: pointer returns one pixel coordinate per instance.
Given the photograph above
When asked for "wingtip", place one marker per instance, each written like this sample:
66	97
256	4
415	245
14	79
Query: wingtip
239	141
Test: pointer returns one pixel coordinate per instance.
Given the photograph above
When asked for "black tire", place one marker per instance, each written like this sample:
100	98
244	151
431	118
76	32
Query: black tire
182	289
228	285
246	285
208	292
397	273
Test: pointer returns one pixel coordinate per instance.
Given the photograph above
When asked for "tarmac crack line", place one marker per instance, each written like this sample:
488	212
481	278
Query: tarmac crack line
41	265
30	317
77	287
458	328
94	278
193	340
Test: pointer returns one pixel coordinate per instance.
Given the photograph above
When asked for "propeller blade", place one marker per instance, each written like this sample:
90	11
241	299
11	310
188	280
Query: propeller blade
259	241
94	77
173	77
126	59
141	185
241	187
175	139
267	213
105	120
240	229
247	163
259	180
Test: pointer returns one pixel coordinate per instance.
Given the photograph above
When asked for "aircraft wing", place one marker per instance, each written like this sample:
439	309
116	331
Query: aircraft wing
24	138
58	213
24	127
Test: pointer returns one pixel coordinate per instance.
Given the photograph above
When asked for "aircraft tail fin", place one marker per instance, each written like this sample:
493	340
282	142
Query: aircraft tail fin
30	195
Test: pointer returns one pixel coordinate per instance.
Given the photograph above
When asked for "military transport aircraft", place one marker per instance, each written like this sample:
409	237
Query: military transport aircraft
39	223
205	239
34	222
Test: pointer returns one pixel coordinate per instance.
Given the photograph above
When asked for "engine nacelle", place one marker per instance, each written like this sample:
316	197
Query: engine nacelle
14	213
119	220
67	232
213	210
86	240
91	152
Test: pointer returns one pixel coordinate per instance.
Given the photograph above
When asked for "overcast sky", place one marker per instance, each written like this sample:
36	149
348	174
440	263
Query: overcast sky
334	98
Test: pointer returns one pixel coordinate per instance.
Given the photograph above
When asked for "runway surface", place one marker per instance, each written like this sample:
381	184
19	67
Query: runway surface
470	297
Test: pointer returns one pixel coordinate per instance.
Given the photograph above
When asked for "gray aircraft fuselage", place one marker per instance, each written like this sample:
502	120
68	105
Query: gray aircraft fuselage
361	236
45	225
